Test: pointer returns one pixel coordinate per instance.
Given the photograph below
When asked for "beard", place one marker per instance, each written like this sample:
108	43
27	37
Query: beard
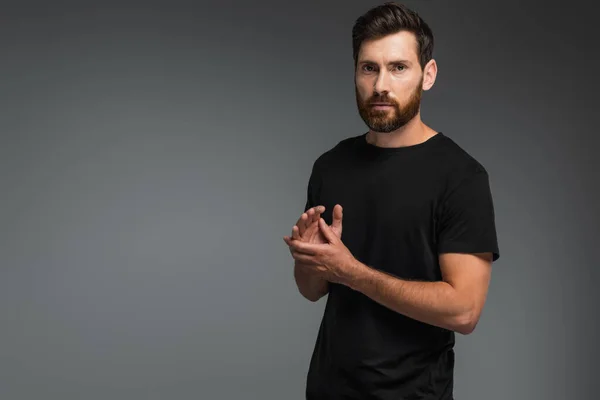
389	120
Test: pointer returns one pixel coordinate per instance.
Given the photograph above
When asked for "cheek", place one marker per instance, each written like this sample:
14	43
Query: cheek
365	95
363	83
363	90
403	91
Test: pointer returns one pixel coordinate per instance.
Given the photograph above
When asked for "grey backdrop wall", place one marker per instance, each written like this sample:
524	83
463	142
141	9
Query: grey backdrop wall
152	157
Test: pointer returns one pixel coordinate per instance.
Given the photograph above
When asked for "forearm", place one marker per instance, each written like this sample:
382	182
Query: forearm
434	303
311	286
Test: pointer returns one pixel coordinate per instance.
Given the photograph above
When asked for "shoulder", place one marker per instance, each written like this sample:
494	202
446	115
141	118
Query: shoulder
463	175
341	150
459	165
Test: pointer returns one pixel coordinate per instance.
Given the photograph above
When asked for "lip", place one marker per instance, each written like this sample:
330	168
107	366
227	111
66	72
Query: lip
381	104
382	107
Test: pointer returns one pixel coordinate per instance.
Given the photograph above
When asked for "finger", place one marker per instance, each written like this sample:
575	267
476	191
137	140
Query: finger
302	223
338	213
303	247
288	240
295	232
313	215
318	210
292	243
327	232
307	217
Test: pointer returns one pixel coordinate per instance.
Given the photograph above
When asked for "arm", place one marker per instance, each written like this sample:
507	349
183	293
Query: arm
455	303
311	286
467	245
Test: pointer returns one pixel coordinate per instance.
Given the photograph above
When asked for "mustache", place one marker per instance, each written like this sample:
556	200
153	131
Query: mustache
378	100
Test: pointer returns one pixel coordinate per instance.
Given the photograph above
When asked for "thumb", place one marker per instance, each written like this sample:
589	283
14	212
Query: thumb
338	213
327	232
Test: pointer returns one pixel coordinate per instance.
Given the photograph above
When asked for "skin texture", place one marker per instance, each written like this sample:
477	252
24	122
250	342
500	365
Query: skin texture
388	71
311	280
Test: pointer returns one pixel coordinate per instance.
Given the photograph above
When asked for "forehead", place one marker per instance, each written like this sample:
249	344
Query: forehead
401	45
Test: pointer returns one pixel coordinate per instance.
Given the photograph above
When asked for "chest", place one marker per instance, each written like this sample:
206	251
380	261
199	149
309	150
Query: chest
389	217
392	199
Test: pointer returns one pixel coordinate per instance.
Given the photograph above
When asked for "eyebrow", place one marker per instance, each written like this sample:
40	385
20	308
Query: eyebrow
389	63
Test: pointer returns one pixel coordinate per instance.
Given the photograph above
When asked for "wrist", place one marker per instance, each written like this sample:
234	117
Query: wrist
353	274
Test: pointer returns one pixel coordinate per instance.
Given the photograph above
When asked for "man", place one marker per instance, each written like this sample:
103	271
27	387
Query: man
405	251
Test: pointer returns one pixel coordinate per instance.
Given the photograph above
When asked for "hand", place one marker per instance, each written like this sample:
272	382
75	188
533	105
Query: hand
333	260
307	230
307	226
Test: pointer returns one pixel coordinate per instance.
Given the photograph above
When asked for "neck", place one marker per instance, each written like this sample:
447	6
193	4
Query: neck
414	132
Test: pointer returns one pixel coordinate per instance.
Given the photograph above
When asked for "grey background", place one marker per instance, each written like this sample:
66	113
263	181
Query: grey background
152	157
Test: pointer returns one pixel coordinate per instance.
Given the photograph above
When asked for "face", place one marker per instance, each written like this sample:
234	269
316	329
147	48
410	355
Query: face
389	81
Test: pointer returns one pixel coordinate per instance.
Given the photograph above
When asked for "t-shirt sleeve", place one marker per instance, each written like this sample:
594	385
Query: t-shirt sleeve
467	221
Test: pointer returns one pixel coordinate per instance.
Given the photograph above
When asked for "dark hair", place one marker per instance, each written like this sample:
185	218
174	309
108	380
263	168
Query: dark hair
390	18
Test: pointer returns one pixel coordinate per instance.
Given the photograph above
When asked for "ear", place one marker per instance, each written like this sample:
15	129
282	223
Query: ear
429	74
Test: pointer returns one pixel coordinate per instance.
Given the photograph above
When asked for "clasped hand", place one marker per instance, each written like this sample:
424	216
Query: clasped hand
317	247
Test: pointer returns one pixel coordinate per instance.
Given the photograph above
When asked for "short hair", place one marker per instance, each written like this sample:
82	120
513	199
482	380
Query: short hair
390	18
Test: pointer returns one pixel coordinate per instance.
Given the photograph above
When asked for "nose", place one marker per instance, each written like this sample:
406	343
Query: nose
382	82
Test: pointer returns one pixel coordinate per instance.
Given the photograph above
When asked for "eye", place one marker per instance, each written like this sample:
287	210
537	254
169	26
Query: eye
368	68
400	67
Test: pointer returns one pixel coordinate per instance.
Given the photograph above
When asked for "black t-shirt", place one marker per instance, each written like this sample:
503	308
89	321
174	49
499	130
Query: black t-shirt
402	208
